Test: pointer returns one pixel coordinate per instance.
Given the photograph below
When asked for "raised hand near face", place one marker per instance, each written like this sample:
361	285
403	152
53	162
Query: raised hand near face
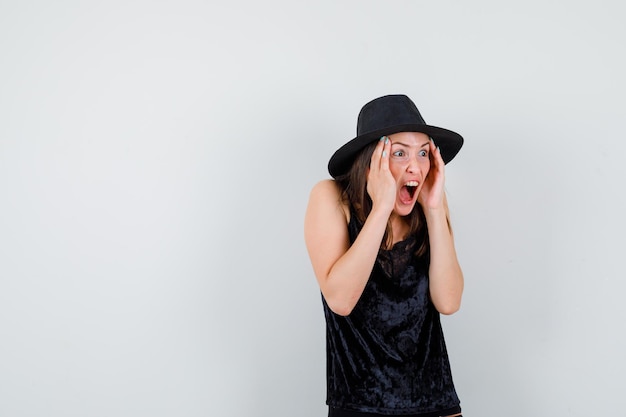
431	196
381	186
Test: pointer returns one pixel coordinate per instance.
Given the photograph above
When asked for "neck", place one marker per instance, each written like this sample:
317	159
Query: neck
399	228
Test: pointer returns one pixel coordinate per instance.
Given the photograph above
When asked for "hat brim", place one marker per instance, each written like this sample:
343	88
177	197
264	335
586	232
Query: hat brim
449	143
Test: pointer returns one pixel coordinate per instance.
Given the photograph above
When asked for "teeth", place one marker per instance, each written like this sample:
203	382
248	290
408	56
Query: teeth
412	184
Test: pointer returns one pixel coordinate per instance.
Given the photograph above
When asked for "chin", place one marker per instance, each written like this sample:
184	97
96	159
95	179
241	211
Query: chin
403	210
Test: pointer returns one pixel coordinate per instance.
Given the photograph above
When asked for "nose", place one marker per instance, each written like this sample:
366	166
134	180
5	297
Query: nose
413	165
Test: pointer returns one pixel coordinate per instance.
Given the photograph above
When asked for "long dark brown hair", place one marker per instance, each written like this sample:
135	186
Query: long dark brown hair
353	186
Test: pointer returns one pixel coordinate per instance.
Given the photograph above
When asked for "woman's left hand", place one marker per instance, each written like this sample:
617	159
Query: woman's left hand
445	275
432	193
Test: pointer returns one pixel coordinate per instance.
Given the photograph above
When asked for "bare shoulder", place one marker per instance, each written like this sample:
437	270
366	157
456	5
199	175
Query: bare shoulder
327	194
326	187
325	228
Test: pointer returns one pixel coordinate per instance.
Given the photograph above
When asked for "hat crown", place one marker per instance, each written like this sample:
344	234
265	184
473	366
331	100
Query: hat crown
386	112
385	116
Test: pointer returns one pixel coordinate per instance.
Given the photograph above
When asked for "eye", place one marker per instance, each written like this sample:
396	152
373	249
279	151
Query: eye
423	153
399	154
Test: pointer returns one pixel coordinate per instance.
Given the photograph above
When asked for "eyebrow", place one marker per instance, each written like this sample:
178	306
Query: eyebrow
408	146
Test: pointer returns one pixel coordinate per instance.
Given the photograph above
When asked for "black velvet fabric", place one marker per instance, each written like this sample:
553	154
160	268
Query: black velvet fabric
340	412
389	355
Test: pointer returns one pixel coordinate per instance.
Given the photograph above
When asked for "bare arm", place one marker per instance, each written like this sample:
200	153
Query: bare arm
342	270
446	277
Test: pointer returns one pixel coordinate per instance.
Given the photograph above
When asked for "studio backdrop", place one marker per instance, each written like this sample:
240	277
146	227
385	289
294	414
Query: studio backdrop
155	164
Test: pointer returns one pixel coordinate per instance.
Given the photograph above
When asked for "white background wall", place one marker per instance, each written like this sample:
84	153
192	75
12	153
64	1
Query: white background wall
155	164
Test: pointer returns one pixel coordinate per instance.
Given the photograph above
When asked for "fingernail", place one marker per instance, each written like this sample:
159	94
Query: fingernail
384	153
382	138
386	140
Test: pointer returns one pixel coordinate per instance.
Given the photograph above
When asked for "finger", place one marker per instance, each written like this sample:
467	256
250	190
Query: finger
381	153
384	161
432	146
435	152
376	156
439	157
440	162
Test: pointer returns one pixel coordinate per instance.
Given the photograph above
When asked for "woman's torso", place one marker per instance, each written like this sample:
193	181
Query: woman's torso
389	356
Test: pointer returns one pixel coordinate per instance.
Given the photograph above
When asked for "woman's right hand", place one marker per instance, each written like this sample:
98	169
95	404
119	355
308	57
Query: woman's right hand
381	186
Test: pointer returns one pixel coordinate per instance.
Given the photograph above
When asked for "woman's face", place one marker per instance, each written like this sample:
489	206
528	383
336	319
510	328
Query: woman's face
409	163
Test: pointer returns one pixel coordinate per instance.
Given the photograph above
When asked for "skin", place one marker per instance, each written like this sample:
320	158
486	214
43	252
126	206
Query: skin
342	270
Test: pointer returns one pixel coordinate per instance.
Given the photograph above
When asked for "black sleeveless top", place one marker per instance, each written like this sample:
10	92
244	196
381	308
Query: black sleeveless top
389	355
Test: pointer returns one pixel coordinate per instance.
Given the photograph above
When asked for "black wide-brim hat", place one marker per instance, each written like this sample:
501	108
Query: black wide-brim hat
385	116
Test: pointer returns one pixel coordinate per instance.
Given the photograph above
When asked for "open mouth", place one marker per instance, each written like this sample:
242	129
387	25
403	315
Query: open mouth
408	191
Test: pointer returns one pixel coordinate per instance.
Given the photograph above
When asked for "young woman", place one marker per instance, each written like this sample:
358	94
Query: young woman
382	250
